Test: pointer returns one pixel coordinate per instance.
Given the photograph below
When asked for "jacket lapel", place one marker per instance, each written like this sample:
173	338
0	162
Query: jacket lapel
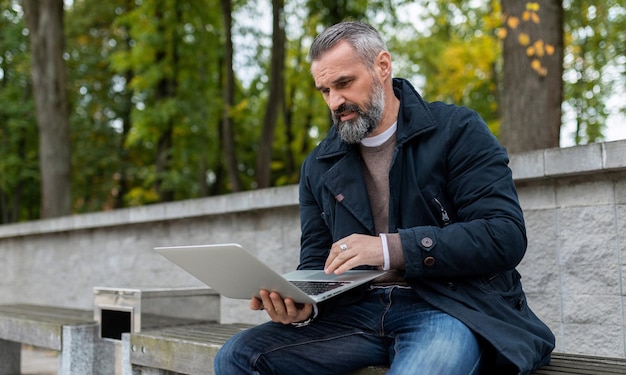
345	182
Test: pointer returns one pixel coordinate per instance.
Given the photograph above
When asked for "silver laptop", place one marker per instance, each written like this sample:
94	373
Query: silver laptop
235	273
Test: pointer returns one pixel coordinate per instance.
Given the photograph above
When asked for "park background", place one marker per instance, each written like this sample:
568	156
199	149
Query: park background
143	123
123	103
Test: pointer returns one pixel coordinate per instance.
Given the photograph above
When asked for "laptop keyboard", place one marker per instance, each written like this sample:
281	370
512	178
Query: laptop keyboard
313	288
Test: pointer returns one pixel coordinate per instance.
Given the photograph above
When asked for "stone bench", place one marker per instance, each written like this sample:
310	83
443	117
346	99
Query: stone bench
71	332
190	350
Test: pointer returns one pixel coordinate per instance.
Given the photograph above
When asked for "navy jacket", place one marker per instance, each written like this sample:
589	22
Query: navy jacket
454	204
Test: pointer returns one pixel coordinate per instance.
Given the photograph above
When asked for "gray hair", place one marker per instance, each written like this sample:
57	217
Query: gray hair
362	37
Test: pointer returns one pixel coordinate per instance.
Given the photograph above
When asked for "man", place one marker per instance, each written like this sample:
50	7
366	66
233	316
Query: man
422	190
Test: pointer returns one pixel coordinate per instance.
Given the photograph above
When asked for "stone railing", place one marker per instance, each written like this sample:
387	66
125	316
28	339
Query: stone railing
574	271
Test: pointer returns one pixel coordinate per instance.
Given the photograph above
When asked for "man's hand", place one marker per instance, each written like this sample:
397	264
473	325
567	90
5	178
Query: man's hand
281	310
352	251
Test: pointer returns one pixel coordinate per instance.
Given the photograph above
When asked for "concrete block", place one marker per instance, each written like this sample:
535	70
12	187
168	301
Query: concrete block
541	231
614	155
546	306
126	367
79	352
591	193
593	339
591	279
593	309
10	357
620	192
573	160
540	265
537	197
527	165
586	235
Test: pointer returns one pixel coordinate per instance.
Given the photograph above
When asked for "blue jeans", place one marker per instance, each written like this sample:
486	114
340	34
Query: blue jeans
389	326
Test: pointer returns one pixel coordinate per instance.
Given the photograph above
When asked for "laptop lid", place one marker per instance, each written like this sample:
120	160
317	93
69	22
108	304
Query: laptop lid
235	273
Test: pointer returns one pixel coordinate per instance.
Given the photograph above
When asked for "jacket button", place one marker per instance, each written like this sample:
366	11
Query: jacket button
427	242
450	285
429	261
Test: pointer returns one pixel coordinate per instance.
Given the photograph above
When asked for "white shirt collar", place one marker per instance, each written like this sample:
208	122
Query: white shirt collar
381	138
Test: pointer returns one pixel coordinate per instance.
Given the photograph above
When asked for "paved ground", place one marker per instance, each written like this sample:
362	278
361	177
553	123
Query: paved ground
36	361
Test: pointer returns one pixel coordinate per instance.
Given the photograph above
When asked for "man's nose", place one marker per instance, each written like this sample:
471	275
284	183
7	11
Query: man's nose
335	100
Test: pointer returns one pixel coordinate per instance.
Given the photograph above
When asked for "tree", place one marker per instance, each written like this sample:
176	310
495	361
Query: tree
276	98
45	24
227	132
176	64
456	56
172	99
19	176
101	99
532	85
595	44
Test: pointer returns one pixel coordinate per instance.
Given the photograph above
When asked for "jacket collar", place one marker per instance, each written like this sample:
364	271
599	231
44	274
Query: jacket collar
414	118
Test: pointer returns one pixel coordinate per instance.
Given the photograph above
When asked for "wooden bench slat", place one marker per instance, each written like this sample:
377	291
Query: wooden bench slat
563	363
190	349
184	349
72	332
151	321
39	325
49	314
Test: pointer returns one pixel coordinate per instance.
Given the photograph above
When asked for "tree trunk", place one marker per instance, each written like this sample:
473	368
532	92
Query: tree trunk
228	135
276	96
45	24
532	86
125	116
166	89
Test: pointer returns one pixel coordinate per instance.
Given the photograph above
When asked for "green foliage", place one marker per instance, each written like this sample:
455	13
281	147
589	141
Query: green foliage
19	163
145	84
595	40
458	55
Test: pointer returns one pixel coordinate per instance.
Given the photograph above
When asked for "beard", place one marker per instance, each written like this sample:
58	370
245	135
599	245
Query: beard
353	131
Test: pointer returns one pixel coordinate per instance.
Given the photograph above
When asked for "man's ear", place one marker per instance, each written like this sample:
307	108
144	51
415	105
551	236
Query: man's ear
383	63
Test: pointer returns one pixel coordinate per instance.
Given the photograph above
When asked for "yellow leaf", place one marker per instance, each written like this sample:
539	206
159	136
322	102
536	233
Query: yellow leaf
526	16
524	39
536	65
534	17
83	40
530	51
501	32
512	22
539	48
532	6
549	49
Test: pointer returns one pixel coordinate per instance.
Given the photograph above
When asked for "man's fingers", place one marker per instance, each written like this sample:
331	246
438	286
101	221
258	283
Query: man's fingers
256	304
342	262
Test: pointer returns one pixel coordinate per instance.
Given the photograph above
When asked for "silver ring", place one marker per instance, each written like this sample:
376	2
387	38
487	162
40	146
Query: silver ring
343	247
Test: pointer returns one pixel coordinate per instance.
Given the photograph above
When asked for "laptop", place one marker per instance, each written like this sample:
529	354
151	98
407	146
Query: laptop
235	273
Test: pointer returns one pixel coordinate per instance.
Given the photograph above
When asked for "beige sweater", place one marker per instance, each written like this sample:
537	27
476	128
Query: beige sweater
376	163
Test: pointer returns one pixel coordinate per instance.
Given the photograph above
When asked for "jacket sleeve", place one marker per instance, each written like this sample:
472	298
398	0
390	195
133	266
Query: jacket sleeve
486	234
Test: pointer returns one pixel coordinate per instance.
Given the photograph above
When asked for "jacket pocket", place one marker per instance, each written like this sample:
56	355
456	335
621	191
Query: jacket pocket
507	286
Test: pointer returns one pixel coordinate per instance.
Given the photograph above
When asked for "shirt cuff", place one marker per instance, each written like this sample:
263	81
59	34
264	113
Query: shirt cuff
383	239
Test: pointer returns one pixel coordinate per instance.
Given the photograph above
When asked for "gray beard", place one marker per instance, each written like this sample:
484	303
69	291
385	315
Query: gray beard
353	131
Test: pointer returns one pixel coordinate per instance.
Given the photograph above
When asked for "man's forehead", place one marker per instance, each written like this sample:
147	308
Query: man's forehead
339	61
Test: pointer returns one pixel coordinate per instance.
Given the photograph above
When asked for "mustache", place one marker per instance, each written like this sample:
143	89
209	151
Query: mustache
347	107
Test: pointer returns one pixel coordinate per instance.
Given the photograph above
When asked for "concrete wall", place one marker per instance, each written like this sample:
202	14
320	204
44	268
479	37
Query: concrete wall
574	272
